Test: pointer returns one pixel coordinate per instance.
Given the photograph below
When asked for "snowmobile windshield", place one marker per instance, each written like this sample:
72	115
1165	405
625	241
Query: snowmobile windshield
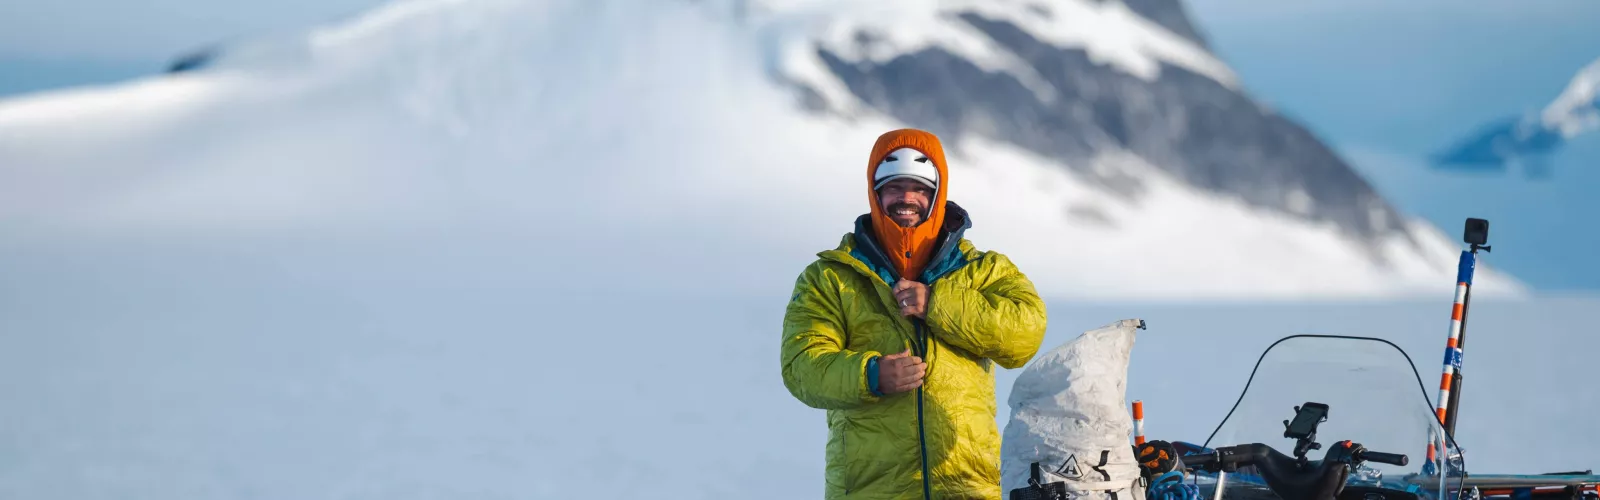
1374	396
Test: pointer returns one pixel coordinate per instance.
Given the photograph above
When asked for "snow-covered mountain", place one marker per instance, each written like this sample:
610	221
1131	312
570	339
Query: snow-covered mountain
1074	81
1527	139
1098	142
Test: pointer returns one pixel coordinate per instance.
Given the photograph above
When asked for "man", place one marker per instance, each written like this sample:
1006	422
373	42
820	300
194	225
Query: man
895	332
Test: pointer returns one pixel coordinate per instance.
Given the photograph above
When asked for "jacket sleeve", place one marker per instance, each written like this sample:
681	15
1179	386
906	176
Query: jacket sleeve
817	368
993	312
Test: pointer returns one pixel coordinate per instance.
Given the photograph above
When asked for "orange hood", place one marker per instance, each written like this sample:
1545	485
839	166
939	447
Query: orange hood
908	248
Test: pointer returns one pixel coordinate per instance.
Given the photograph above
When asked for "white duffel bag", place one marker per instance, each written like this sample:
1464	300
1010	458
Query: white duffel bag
1070	423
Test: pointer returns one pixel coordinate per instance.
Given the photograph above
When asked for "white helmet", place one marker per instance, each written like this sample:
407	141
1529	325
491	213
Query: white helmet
906	162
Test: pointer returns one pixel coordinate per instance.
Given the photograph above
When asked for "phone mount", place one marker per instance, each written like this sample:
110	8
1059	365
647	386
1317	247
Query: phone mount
1304	428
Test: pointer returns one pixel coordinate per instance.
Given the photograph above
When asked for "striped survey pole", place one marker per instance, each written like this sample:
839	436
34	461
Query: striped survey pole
1477	236
1452	349
1138	423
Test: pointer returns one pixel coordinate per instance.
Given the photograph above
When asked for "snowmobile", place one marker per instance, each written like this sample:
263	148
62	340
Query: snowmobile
1391	441
1369	395
1365	393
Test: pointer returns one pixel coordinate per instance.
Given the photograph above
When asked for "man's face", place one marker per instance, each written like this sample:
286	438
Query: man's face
906	201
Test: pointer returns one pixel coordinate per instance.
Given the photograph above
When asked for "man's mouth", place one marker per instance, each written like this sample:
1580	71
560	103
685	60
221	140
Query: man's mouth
905	210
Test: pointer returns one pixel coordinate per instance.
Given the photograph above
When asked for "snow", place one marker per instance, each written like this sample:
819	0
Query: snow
452	254
1108	31
381	21
1577	109
1169	243
295	371
147	100
901	28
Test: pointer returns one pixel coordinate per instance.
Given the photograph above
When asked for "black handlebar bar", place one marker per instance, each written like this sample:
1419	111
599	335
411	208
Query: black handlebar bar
1291	477
1383	458
1205	461
1228	458
1232	457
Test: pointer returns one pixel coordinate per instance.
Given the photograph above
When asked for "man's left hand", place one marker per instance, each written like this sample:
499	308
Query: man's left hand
912	297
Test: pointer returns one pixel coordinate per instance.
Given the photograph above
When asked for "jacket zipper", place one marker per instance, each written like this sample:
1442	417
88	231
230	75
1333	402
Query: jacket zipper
922	436
921	342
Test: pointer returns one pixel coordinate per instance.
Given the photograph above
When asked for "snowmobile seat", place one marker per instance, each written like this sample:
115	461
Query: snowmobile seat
1375	493
1288	479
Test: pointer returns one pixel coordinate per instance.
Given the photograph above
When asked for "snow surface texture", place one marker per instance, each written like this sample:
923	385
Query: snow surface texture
1523	140
1069	414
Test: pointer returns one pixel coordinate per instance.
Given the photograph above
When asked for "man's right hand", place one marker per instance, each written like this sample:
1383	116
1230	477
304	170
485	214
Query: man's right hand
901	372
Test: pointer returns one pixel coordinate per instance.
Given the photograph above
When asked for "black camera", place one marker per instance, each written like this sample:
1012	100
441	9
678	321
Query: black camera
1477	232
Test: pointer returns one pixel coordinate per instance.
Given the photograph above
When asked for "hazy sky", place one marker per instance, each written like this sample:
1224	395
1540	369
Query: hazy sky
146	29
73	42
1388	83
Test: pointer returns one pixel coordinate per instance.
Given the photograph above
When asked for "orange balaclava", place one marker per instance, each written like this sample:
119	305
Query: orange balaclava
908	248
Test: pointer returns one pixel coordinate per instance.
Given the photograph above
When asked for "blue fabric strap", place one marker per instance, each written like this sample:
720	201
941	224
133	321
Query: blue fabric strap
1170	486
872	376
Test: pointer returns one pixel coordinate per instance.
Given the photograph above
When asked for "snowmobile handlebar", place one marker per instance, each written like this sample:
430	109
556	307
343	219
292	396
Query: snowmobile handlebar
1230	458
1383	458
1227	458
1293	477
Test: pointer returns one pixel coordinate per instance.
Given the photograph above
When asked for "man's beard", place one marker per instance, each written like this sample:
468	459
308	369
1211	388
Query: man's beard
894	213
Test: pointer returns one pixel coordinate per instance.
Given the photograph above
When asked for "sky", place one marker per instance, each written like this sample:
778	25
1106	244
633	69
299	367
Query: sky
46	45
1385	83
1388	83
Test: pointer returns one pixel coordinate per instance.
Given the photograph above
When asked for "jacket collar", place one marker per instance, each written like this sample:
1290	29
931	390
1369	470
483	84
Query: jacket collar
946	258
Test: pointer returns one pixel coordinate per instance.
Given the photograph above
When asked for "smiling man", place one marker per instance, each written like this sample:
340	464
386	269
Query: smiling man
895	333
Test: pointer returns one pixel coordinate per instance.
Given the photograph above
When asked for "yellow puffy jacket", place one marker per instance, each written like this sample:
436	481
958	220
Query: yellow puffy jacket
941	440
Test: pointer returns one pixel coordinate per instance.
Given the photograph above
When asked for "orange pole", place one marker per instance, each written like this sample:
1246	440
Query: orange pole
1138	422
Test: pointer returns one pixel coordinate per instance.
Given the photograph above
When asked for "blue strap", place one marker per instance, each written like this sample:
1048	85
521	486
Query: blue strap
872	376
1170	486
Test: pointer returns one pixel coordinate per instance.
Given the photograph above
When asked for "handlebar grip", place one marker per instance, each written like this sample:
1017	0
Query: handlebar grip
1199	460
1385	458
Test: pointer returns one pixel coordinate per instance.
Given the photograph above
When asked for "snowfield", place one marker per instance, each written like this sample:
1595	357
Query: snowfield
259	373
446	251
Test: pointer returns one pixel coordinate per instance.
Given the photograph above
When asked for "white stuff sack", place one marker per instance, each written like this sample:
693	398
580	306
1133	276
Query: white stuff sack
1069	413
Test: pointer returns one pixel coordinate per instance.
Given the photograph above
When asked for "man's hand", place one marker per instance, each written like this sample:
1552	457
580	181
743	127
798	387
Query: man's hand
912	298
900	372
